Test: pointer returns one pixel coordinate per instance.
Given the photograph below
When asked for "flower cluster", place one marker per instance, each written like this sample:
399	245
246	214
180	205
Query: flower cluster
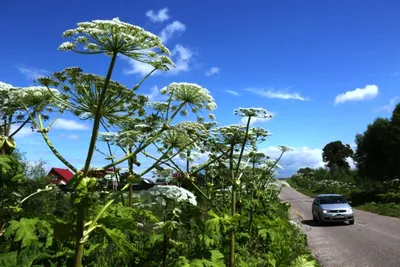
107	136
285	148
190	94
13	99
253	112
171	192
232	134
114	36
81	93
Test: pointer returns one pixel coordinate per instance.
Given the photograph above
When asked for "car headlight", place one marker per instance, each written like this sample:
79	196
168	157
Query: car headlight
350	210
324	211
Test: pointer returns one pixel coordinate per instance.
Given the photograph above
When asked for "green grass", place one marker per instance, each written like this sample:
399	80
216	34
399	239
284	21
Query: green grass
387	209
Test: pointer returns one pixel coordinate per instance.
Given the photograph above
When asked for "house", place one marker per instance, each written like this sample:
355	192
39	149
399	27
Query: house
59	176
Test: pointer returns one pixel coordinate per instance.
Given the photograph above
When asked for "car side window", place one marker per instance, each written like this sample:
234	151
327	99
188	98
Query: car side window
316	201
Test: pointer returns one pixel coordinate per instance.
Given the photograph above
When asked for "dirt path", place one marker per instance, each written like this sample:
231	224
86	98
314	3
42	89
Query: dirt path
373	241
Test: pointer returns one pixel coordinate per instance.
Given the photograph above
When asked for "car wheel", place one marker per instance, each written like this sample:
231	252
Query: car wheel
313	216
351	222
320	221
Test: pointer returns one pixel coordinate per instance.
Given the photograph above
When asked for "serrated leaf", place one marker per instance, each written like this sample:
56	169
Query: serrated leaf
8	259
217	258
28	257
196	263
24	230
119	239
182	262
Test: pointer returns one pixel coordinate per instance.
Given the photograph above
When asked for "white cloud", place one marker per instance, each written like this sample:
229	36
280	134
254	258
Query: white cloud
33	73
212	71
389	107
181	56
232	92
155	95
160	16
300	157
270	93
170	29
71	136
136	67
69	125
367	93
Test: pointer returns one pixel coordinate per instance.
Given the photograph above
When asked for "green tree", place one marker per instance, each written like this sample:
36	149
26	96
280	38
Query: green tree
378	149
335	155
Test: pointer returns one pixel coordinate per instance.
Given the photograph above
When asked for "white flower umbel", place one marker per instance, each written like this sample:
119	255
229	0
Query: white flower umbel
253	112
13	99
190	94
5	86
172	192
107	136
285	148
114	36
231	134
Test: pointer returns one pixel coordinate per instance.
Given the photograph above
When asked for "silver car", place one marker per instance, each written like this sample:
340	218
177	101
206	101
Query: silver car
332	208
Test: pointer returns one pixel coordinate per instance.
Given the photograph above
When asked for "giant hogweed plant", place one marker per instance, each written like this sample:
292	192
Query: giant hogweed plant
166	231
104	101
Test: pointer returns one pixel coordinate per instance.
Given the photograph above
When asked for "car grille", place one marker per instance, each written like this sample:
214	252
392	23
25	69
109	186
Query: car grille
336	211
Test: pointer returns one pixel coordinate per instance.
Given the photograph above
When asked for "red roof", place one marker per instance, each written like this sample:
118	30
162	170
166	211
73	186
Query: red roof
64	173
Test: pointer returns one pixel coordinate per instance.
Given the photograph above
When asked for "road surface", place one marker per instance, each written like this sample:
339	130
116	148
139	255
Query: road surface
373	241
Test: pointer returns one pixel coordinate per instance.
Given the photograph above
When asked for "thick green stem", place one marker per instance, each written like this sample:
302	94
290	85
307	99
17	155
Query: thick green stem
80	218
130	166
97	118
165	241
243	146
251	199
233	210
79	246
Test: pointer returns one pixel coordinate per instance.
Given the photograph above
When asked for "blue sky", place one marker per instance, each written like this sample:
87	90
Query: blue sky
297	59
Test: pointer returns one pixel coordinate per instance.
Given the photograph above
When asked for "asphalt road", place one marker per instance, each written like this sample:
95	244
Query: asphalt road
373	241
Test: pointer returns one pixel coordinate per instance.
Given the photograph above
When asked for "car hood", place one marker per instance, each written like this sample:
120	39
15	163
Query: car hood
335	206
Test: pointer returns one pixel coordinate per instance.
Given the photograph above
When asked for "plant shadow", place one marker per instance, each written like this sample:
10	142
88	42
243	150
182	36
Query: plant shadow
313	223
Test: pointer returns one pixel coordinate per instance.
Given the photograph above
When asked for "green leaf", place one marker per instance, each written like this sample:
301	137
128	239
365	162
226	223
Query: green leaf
304	261
28	257
8	259
182	262
196	263
24	230
27	231
118	237
217	258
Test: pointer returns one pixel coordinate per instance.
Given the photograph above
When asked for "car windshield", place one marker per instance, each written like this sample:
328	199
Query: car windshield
332	200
